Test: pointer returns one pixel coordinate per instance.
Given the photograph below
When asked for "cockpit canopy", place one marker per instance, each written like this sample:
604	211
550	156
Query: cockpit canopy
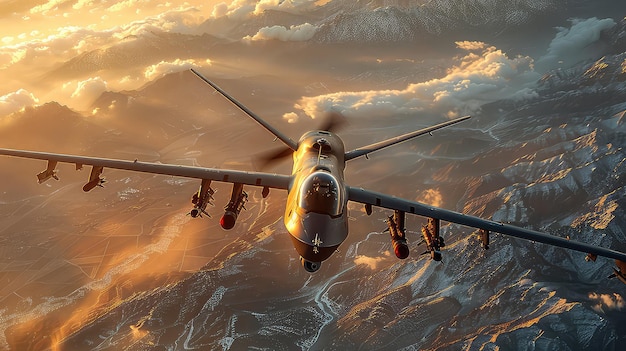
320	193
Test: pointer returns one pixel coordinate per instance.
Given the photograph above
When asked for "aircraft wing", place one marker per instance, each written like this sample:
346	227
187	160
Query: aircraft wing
222	175
390	202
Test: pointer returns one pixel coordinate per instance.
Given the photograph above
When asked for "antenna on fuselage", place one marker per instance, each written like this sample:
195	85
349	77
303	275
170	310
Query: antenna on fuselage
321	143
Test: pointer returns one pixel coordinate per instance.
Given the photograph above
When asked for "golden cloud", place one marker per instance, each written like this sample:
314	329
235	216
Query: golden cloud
370	262
607	302
15	101
162	68
477	78
301	32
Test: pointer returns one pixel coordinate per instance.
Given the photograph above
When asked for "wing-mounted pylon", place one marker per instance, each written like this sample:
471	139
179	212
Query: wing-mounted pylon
430	236
49	172
484	238
619	271
238	199
395	226
202	198
94	178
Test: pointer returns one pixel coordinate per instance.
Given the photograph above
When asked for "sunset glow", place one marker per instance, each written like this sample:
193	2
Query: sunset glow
142	262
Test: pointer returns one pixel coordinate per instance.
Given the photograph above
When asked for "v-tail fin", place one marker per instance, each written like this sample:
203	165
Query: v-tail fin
389	142
285	139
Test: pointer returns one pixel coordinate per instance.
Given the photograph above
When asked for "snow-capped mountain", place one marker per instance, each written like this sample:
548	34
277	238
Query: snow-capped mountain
398	22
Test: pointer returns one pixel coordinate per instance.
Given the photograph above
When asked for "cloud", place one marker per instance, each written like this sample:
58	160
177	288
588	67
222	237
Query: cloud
220	10
301	32
484	74
240	9
51	5
123	5
10	57
371	262
471	45
607	302
46	49
66	43
291	117
16	101
89	89
432	197
186	20
571	45
164	67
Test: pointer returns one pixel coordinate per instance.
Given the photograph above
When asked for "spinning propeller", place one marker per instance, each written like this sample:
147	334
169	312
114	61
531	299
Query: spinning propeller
333	121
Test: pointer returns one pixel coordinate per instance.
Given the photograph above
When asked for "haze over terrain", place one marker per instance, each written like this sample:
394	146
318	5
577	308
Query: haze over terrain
124	268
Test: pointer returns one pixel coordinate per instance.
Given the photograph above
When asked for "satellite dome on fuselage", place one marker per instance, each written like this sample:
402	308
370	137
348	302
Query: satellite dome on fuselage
321	193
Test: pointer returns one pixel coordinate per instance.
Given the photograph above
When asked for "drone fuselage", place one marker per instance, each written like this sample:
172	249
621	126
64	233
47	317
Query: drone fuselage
316	210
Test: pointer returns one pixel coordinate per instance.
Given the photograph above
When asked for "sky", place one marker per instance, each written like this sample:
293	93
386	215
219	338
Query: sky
39	37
